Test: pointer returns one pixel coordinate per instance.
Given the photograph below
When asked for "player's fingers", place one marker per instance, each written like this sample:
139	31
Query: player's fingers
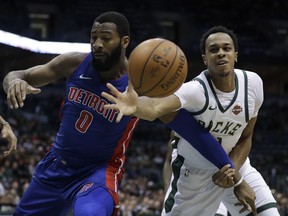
11	138
31	90
110	106
113	90
224	172
119	117
19	90
11	98
245	205
109	97
252	206
130	86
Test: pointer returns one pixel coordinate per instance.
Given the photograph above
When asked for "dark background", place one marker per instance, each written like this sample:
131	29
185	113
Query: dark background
262	30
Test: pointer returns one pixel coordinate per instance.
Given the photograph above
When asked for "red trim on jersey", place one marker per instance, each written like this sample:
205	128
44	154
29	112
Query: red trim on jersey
114	171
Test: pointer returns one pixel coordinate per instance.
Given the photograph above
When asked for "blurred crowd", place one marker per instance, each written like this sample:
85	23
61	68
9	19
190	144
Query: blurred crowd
141	192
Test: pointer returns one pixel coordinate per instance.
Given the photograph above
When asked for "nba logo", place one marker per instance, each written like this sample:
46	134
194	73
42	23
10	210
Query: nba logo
86	187
186	174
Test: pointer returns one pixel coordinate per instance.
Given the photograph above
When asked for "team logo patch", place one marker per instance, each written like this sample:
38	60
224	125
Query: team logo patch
187	172
237	109
86	187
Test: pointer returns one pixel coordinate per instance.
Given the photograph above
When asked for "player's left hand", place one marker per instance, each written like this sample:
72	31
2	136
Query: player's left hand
246	197
7	134
224	177
125	103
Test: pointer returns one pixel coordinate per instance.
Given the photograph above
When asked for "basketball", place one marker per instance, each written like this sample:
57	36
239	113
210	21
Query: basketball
157	67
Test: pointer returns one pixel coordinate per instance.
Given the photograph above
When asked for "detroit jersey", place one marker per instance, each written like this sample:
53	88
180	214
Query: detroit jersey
89	133
225	115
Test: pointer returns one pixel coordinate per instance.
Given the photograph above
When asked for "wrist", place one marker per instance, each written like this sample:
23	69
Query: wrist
239	182
3	123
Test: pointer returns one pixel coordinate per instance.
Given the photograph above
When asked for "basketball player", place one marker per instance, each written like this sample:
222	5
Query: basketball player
8	135
226	102
167	173
84	166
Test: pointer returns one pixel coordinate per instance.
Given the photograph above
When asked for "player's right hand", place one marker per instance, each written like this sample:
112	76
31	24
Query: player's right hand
17	91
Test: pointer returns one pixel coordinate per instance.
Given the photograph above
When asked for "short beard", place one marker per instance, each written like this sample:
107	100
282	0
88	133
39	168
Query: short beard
110	61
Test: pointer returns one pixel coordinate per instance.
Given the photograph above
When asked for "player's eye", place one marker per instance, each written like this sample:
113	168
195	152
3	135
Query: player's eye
213	50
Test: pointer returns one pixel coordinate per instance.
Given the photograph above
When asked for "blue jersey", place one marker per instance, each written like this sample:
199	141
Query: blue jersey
89	133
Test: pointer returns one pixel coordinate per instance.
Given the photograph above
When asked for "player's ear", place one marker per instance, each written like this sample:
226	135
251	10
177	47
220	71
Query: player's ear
125	41
204	59
236	56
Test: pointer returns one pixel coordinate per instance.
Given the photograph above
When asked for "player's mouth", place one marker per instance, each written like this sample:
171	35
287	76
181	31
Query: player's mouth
99	55
221	63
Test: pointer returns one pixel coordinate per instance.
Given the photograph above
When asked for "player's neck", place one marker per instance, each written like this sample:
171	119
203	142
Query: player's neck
224	84
115	72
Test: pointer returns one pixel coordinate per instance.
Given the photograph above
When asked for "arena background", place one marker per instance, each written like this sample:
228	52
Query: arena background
262	30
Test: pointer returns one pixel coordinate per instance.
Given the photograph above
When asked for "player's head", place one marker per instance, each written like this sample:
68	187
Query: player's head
110	35
217	29
219	48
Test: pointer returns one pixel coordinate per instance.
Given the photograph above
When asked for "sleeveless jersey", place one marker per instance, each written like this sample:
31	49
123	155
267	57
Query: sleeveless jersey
224	115
89	133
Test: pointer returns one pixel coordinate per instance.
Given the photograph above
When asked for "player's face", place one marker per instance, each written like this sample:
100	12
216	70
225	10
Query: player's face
220	55
105	45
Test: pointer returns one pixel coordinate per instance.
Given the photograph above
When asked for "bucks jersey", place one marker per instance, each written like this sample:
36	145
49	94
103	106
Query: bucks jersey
224	115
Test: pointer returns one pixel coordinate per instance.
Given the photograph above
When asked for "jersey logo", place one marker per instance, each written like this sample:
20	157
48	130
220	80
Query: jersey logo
86	187
187	172
212	108
237	109
83	77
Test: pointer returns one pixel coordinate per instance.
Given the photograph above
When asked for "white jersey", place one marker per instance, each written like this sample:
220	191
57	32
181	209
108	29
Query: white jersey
192	191
225	115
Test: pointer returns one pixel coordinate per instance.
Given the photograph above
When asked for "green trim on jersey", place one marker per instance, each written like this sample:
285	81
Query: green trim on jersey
176	168
264	207
206	95
246	95
174	142
215	95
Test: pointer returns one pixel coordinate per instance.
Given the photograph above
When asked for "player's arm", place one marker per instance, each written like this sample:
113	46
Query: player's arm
17	84
243	147
182	122
147	108
238	155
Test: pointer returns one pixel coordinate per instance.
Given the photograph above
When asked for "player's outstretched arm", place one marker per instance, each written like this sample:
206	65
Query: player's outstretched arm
129	103
187	126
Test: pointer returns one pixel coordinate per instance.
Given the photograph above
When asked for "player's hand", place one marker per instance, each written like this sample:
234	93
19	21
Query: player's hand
7	134
17	91
125	103
246	197
224	177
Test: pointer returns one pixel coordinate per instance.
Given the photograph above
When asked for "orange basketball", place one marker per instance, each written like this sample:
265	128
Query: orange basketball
157	67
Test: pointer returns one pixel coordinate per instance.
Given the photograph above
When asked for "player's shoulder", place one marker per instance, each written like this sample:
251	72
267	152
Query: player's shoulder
67	62
73	57
254	80
251	75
